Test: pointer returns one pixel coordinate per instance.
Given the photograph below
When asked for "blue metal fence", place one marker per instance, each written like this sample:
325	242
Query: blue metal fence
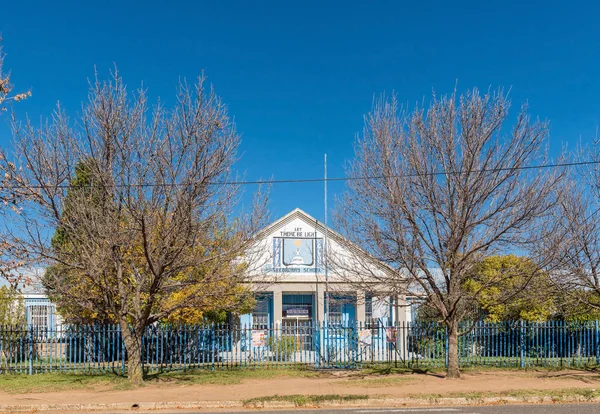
99	349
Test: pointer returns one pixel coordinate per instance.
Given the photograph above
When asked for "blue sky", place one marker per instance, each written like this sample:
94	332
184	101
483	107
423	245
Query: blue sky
299	76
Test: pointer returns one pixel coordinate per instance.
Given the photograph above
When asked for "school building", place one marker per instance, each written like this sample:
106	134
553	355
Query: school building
293	274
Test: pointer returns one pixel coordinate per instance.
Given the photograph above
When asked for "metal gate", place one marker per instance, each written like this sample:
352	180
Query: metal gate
340	347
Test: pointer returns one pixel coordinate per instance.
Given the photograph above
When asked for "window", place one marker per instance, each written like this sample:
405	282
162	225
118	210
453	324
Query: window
38	316
297	305
371	323
260	315
335	316
342	310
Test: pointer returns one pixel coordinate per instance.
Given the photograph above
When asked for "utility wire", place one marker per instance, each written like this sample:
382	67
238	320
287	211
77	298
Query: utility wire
319	180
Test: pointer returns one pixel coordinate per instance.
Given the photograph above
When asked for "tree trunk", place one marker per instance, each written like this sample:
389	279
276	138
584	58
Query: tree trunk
133	345
452	370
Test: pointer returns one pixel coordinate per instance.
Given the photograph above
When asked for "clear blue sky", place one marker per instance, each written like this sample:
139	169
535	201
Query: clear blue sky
298	76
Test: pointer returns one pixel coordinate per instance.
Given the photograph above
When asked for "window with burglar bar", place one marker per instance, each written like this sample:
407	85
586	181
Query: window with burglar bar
260	315
38	316
370	322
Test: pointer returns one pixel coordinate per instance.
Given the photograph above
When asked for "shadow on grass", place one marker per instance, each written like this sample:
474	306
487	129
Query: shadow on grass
392	370
226	377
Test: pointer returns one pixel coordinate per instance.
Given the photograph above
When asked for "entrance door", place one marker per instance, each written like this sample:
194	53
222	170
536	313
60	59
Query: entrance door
298	314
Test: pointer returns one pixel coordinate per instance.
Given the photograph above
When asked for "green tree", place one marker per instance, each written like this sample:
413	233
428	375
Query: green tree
578	306
511	287
64	283
12	322
12	307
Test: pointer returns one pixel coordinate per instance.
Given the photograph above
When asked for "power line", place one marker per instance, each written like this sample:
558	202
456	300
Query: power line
322	179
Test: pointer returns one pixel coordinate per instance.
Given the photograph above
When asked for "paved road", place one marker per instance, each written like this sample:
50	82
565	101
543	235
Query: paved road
505	409
502	409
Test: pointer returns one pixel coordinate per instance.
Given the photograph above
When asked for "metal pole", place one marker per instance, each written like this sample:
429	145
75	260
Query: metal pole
325	251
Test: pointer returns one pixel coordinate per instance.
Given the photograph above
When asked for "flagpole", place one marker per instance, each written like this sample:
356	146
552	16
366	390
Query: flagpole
325	246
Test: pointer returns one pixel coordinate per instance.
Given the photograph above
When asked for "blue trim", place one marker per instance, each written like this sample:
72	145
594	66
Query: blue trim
347	307
295	299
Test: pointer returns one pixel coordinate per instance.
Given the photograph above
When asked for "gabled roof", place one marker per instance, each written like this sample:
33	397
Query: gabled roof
296	214
331	234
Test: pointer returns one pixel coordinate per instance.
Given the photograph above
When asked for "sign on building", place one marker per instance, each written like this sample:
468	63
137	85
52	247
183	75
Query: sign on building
297	312
258	338
391	334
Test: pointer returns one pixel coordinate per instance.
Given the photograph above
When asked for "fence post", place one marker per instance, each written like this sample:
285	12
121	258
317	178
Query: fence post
316	343
597	344
522	343
123	367
446	347
30	349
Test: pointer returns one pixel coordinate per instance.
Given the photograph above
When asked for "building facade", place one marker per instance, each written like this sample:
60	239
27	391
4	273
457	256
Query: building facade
294	279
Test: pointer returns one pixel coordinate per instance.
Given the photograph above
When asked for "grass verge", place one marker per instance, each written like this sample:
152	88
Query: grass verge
21	383
302	400
557	395
227	377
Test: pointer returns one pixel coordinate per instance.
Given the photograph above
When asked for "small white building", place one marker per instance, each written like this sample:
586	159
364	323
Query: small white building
39	310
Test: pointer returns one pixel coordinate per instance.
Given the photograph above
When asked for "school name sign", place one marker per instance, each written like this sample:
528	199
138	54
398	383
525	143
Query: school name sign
270	269
296	251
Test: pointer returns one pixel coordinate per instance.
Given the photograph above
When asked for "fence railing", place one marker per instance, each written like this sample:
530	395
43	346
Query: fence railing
100	349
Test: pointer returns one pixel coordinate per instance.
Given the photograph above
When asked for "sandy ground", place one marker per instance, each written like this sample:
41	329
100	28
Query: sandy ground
335	383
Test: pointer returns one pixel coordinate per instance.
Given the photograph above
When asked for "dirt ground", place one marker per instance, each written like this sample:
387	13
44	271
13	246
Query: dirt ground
333	383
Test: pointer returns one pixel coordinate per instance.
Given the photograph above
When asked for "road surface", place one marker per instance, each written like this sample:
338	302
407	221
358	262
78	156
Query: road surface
499	409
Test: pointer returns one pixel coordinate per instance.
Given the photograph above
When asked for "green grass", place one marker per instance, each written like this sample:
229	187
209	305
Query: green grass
367	378
302	400
21	383
549	368
557	395
227	377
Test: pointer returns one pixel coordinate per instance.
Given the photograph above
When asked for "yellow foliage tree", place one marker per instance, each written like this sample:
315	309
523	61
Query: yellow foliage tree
511	287
188	295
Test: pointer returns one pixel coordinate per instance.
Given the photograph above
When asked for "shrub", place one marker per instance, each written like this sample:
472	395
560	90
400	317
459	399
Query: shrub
283	347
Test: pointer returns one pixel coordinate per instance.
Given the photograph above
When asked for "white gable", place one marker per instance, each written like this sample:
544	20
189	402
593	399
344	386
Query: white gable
292	249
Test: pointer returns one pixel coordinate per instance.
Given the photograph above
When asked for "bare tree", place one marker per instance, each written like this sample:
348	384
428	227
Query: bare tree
577	264
10	267
6	88
432	192
142	202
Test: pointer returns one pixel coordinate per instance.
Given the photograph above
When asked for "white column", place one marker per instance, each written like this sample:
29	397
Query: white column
277	306
320	303
403	319
402	310
360	307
